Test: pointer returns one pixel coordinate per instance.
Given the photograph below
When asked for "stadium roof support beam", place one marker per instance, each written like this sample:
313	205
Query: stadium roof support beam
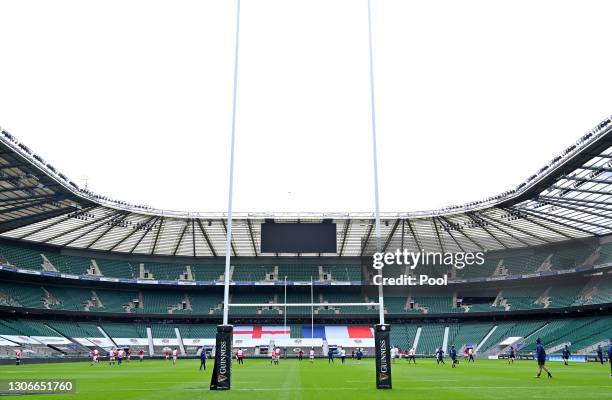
232	242
433	221
250	226
529	233
464	234
581	190
347	227
98	222
23	204
367	238
156	240
481	224
59	221
540	225
586	180
193	242
180	239
390	237
146	232
545	217
20	222
447	230
416	239
576	202
558	204
17	200
121	218
403	233
493	222
567	218
605	169
129	235
25	188
206	238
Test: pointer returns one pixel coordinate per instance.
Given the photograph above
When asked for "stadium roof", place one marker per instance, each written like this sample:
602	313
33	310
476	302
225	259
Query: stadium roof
568	198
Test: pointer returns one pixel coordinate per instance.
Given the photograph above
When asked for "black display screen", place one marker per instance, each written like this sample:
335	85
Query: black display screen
298	238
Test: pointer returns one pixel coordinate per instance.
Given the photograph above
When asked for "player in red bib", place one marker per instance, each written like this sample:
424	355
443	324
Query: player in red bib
18	357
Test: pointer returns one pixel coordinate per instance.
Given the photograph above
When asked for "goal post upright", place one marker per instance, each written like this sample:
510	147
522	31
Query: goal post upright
222	371
381	330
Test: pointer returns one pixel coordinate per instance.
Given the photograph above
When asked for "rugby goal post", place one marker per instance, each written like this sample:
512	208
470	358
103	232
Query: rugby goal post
221	377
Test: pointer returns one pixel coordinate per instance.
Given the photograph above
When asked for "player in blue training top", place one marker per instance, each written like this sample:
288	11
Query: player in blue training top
203	359
565	354
440	356
600	354
511	355
453	356
541	358
610	356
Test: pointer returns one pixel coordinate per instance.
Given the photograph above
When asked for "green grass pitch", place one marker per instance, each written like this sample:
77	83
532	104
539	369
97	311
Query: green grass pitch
257	379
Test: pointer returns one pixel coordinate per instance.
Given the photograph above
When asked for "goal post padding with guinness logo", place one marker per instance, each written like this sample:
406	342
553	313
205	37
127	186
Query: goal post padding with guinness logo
222	371
382	336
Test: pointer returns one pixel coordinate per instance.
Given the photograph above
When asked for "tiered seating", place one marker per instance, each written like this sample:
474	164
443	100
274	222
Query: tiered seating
603	292
249	298
294	296
250	272
159	302
167	271
402	335
523	298
117	269
555	332
75	329
118	330
21	295
436	305
343	272
474	271
163	331
21	257
563	296
296	331
205	272
25	327
115	300
432	336
70	298
298	272
395	305
569	256
510	329
524	264
605	254
205	303
461	335
69	264
595	331
197	331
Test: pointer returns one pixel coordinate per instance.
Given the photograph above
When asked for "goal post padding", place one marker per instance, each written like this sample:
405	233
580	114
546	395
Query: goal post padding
222	372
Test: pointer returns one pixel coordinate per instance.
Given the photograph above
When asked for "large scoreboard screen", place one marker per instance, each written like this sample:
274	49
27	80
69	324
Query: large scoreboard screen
298	238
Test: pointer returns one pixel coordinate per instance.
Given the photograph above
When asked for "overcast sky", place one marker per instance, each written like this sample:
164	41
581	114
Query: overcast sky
135	96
